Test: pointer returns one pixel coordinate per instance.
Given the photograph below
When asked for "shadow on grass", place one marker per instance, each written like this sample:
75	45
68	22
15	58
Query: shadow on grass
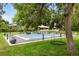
58	43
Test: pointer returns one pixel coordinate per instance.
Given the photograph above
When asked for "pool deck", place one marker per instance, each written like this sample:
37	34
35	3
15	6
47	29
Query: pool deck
23	41
19	40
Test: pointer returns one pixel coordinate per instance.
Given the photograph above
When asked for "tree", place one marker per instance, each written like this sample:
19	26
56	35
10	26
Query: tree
68	15
32	15
3	24
75	18
57	13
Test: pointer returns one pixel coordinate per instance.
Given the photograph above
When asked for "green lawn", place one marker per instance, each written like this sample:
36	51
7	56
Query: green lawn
42	48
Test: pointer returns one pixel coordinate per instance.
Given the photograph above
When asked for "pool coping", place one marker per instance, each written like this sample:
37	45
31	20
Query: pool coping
7	40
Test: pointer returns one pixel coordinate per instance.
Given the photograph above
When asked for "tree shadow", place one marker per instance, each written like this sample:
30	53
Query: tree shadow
58	43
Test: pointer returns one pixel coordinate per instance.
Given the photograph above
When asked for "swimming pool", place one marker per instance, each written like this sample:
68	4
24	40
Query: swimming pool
27	38
33	36
38	36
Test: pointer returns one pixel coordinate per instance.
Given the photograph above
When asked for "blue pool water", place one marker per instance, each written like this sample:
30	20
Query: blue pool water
32	36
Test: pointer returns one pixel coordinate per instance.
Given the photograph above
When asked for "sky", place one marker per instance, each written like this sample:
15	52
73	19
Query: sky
9	13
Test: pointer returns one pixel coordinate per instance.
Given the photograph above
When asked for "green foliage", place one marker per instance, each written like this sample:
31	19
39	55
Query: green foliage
75	18
4	25
57	15
32	15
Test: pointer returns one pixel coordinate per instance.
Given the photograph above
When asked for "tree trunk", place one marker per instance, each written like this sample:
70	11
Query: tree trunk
68	14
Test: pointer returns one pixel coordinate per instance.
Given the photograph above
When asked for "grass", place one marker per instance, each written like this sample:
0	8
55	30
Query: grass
42	48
